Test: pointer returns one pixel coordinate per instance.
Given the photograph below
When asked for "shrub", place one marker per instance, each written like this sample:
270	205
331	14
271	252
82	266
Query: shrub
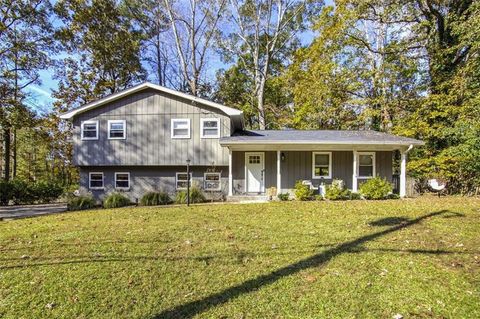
303	192
196	196
283	196
155	198
21	192
80	202
46	192
376	188
5	192
336	191
116	200
318	197
355	196
393	196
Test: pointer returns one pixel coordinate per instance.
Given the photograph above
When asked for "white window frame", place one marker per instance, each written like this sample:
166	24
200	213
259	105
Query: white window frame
129	181
90	180
329	165
202	123
176	180
219	181
373	163
81	130
172	128
124	129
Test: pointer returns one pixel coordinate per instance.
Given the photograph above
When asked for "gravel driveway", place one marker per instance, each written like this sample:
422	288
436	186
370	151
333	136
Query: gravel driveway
13	212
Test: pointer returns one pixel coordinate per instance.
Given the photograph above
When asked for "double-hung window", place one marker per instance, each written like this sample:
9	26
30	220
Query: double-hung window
322	165
366	164
89	130
210	128
117	129
181	180
212	181
95	180
122	180
180	128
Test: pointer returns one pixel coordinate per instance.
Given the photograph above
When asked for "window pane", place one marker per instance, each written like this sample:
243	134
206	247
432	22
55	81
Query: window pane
365	170
96	177
122	181
116	134
210	132
182	177
321	159
180	132
89	127
211	124
96	183
181	184
321	171
89	133
116	126
180	124
212	177
366	160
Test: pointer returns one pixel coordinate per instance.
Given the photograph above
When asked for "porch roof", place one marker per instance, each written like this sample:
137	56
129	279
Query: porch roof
317	137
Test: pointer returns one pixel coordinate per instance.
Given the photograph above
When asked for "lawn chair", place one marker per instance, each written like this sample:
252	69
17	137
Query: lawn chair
437	186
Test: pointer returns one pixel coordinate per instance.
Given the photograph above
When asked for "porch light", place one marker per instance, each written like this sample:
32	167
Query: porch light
282	157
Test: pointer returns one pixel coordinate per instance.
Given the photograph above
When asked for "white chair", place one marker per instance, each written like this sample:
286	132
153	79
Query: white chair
437	186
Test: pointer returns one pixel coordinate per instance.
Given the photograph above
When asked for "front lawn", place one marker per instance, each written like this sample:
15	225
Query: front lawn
417	258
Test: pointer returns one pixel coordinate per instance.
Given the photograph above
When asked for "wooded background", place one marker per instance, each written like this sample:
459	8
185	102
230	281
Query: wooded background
407	67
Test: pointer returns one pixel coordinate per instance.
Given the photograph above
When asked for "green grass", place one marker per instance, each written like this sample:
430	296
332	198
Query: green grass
419	258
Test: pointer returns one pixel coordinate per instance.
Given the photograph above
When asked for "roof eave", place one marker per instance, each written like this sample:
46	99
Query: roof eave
228	143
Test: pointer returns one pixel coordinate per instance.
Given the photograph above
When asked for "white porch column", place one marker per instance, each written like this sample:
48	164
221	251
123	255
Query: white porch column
403	174
354	176
230	174
279	173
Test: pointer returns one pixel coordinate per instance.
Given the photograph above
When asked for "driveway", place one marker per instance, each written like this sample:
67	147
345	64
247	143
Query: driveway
14	212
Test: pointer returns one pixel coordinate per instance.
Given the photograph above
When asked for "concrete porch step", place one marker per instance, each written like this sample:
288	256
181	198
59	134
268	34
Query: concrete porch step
248	198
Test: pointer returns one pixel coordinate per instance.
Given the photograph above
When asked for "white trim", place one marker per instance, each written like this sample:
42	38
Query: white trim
248	142
354	177
329	176
279	172
211	119
129	183
225	109
81	130
176	180
403	172
373	163
124	129
262	182
230	173
182	136
219	181
90	180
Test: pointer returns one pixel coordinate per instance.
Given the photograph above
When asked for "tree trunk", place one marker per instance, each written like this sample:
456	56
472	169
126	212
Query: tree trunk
14	173
261	108
7	137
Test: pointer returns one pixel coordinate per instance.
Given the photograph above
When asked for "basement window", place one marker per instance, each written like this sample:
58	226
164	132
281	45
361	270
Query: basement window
212	181
95	180
122	180
181	180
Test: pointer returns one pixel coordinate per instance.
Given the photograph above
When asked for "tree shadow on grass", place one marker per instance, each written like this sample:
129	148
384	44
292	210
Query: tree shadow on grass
191	309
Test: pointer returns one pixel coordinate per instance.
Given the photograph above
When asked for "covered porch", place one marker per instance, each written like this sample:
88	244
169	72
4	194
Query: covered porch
255	164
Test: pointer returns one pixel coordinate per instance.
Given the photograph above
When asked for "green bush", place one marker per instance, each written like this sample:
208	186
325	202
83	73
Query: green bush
393	196
46	192
318	197
303	192
283	196
5	192
80	202
196	196
355	196
116	200
22	192
337	191
376	188
155	198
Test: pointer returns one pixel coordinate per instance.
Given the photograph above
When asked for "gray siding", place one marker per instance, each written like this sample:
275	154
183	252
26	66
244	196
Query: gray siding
297	165
148	116
150	178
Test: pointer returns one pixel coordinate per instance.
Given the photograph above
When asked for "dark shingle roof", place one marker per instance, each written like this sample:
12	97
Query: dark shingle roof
316	137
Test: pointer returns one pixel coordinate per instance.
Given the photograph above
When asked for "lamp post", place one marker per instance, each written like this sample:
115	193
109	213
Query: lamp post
188	182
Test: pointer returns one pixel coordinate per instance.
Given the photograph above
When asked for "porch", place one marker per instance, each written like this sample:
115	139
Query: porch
259	160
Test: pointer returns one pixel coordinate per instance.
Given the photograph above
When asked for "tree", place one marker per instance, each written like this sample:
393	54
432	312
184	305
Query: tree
25	43
102	47
262	32
194	26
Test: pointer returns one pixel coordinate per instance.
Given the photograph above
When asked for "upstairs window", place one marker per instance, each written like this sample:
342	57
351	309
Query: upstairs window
366	165
117	129
182	180
180	128
212	181
89	130
122	180
95	180
210	128
322	165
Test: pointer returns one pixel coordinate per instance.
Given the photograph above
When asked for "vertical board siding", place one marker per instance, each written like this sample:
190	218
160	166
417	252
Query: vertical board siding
148	115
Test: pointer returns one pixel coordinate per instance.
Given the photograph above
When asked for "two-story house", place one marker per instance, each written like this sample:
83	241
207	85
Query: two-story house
140	139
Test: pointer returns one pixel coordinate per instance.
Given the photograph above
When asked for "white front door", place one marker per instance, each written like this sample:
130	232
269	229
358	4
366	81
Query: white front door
254	171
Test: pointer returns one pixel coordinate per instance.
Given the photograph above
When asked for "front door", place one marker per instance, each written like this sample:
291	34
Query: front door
254	167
